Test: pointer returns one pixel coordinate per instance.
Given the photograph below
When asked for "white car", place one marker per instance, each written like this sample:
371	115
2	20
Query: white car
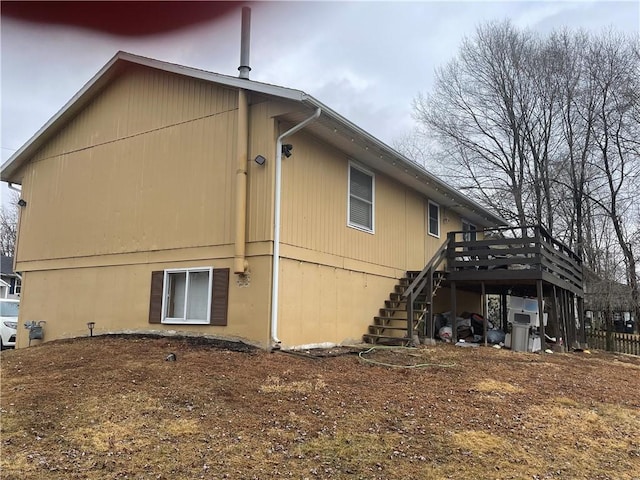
8	322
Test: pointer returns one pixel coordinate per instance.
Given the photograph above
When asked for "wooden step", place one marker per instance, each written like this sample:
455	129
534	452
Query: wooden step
381	319
386	327
402	303
400	288
393	316
417	306
386	311
384	339
390	327
397	296
389	314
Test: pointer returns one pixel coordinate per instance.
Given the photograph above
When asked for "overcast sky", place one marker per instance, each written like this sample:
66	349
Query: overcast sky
365	60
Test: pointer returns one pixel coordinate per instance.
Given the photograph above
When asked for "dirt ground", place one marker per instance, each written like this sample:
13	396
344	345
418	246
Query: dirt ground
116	408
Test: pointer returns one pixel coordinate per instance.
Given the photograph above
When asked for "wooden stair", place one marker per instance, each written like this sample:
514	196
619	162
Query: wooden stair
390	327
407	312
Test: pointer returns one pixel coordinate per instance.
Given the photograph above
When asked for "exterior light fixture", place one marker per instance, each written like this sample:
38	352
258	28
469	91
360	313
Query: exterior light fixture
260	160
91	325
22	202
286	149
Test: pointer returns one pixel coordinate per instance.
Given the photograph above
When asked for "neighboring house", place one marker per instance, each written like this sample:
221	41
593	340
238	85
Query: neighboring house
10	281
608	301
166	198
4	289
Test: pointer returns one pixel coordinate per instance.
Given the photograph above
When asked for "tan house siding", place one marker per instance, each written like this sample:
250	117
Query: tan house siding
138	102
143	179
170	187
335	277
314	210
262	141
324	304
117	299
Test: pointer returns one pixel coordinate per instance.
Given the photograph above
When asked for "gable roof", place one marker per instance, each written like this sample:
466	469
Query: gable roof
330	126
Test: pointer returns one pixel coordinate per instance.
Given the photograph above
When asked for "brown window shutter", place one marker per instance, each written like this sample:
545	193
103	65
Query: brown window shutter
220	296
155	304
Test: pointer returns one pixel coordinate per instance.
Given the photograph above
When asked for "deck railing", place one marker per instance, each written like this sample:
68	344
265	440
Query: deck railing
515	249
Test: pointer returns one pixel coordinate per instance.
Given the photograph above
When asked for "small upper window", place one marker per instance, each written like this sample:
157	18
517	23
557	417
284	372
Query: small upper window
361	198
469	231
434	219
187	296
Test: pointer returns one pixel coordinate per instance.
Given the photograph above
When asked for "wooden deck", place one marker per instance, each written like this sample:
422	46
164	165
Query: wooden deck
508	257
524	262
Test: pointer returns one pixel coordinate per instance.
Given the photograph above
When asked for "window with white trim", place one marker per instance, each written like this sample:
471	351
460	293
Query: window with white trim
361	198
469	231
433	219
16	286
178	296
187	295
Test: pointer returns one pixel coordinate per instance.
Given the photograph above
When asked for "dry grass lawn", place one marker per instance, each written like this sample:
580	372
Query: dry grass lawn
114	408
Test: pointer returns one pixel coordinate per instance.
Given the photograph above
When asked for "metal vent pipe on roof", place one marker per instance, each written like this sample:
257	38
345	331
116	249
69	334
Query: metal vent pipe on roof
245	41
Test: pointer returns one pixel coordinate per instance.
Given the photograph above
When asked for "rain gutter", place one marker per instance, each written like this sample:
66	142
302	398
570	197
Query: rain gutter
275	341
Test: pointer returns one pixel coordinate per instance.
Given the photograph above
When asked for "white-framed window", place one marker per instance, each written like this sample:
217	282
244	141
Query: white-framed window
361	201
186	295
470	231
16	286
433	219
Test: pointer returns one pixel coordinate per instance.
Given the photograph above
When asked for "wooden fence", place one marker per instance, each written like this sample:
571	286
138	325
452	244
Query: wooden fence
618	342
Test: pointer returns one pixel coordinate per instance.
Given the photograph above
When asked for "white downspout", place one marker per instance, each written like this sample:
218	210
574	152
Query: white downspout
275	341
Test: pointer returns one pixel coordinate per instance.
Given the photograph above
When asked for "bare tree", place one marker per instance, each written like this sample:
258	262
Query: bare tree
9	226
476	112
546	130
614	68
577	105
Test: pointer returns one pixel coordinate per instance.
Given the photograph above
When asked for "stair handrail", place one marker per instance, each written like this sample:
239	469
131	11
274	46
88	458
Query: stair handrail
420	282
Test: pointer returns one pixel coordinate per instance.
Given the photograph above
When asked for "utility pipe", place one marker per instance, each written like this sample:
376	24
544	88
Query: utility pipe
245	41
240	263
275	341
